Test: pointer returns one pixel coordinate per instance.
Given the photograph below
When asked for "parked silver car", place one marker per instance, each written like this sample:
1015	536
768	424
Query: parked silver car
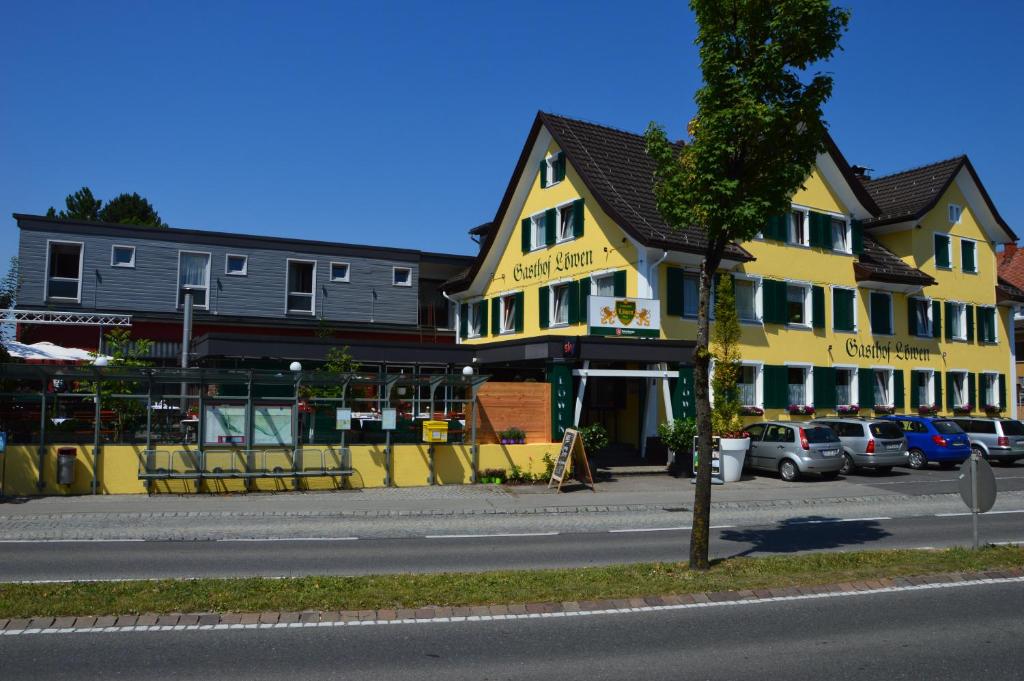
999	440
868	443
793	449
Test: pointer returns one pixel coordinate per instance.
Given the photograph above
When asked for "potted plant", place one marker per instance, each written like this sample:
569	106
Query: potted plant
992	409
678	437
800	410
725	413
750	410
963	409
516	436
595	438
848	409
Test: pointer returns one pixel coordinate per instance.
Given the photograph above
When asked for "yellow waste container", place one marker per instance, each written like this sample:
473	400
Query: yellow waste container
435	432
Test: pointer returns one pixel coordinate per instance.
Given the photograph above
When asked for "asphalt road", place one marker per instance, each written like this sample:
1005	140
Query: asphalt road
956	633
64	560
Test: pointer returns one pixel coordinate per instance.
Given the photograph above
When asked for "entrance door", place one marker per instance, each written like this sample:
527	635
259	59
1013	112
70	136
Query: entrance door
617	404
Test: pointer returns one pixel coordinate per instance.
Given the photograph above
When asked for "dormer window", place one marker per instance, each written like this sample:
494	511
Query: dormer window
954	214
552	170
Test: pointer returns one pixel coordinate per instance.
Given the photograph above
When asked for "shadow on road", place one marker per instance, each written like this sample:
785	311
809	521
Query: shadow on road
806	533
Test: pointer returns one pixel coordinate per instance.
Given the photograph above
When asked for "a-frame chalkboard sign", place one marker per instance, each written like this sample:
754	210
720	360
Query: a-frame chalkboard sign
572	460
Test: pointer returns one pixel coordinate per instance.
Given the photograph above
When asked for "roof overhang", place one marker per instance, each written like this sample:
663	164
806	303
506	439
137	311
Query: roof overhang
840	178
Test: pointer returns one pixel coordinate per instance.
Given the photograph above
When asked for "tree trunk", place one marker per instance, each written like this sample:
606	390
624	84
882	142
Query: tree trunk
702	361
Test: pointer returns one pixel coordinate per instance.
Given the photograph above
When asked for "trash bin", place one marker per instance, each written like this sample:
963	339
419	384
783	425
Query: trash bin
66	465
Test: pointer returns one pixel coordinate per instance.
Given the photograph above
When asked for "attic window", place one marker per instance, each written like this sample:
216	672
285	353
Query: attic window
954	214
552	170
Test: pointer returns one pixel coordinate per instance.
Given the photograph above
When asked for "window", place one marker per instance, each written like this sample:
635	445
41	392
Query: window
746	300
798	228
883	387
840	236
64	271
987	325
552	170
968	256
236	265
339	271
798	389
881	313
924	385
566	222
401	276
797	303
954	213
943	254
959	389
990	390
691	291
538	238
122	256
958	320
844	309
301	278
508	313
603	285
920	317
559	304
846	382
194	276
474	324
747	385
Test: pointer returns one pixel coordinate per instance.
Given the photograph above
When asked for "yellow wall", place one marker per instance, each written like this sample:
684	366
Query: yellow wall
120	464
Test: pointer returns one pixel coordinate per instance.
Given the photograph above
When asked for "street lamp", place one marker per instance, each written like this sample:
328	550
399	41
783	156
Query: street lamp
467	371
100	361
295	366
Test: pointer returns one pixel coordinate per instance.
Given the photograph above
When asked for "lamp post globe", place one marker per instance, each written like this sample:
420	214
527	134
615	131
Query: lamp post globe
467	371
100	361
295	366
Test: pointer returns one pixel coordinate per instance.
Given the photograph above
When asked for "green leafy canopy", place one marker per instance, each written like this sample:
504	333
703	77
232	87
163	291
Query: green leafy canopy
123	209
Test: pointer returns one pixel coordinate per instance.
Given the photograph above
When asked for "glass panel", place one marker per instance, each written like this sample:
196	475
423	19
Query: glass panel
123	255
339	271
64	260
924	327
924	395
797	387
839	236
745	300
604	286
819	434
193	271
843	386
881	387
561	300
796	230
795	304
508	313
401	276
947	427
886	429
538	231
236	264
747	386
565	223
959	389
690	292
1013	428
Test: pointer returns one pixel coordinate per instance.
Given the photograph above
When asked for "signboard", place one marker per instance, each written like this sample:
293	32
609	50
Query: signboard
629	317
272	425
572	451
716	461
977	488
388	419
224	424
343	419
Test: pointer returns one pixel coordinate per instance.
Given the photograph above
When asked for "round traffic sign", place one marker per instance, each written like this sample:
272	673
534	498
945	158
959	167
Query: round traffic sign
986	484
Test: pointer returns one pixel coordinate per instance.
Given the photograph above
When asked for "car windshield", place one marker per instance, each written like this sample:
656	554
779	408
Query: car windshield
1012	427
820	434
886	430
947	427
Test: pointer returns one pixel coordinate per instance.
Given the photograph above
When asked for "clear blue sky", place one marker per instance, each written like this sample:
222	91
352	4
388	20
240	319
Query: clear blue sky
399	123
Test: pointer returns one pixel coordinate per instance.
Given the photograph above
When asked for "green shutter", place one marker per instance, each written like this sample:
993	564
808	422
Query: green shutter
684	403
842	309
560	167
971	398
937	382
970	323
482	305
577	218
824	388
774	298
525	226
1002	390
674	291
936	319
880	322
463	321
818	307
857	237
584	298
915	399
819	223
942	251
967	260
899	399
776	387
911	317
543	302
550	226
949	321
495	316
866	387
619	283
776	228
543	172
574	302
950	391
520	299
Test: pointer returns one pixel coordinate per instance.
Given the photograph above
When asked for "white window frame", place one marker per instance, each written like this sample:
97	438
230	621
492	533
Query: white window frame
806	286
287	269
856	309
603	274
892	313
960	309
805	223
854	382
964	240
931	385
552	324
549	170
808	380
81	269
348	272
394	271
995	329
559	239
931	320
957	402
954	212
758	309
538	239
128	265
889	385
758	383
994	377
471	330
848	230
177	280
244	272
949	250
502	301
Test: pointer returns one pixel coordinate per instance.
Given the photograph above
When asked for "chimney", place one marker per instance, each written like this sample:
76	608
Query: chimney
861	173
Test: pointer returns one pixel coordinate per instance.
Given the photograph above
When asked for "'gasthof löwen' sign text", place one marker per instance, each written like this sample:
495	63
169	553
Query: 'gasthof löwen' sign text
543	267
888	350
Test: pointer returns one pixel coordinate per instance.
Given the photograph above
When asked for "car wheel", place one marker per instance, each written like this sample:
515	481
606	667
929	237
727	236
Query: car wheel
831	475
848	465
916	459
980	451
884	469
788	471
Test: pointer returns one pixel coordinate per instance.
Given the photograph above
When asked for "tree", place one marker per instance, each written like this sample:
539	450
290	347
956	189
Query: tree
338	361
753	142
123	351
123	209
9	285
725	348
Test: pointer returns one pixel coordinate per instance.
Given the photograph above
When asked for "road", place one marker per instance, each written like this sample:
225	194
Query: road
958	632
67	560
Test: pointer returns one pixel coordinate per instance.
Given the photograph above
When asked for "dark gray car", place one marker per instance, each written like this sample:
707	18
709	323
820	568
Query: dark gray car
793	449
999	440
868	443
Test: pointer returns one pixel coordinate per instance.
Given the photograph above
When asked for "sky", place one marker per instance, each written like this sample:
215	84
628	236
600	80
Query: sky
399	123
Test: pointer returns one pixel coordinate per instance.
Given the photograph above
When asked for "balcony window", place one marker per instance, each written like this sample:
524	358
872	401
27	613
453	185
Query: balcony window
301	277
194	276
64	271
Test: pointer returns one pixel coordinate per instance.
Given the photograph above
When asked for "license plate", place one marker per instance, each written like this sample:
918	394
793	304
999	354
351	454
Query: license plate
829	452
894	447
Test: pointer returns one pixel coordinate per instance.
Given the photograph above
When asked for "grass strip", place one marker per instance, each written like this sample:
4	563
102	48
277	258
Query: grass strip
376	592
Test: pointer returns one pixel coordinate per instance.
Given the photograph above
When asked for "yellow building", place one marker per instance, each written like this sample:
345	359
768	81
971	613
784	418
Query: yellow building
878	293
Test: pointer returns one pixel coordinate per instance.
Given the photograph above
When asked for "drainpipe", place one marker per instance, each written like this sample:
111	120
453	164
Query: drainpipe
652	271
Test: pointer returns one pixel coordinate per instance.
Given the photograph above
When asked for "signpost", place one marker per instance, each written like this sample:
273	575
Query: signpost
572	458
977	488
388	420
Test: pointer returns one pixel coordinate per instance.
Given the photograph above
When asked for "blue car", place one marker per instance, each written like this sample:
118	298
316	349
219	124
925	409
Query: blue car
933	439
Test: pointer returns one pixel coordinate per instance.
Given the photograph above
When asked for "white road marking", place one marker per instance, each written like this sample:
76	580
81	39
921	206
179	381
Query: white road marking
486	536
837	520
268	539
666	529
526	616
67	541
952	515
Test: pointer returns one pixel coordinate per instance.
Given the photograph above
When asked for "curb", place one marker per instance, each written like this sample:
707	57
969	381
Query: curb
428	614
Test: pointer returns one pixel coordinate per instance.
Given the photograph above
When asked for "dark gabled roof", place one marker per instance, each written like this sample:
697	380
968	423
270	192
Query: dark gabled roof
1007	292
480	230
910	194
878	263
